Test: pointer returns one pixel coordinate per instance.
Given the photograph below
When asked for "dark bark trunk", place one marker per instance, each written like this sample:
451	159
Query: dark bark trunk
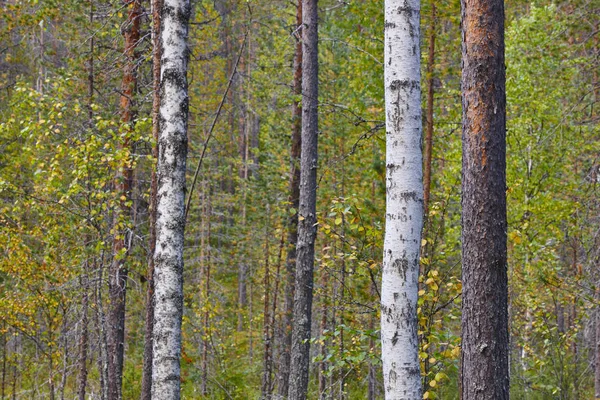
124	179
597	346
484	368
84	338
4	348
294	198
275	324
323	348
429	122
267	364
205	260
149	326
307	231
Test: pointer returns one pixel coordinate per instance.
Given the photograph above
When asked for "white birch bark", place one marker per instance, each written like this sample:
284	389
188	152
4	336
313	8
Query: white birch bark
170	210
404	201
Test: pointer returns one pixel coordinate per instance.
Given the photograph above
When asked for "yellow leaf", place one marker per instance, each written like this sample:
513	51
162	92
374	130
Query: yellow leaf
426	395
433	383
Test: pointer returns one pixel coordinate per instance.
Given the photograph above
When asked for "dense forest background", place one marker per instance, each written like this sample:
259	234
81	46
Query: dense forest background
67	147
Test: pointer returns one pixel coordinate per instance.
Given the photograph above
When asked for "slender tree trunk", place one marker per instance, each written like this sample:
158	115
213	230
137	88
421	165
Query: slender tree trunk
484	366
293	199
4	348
85	277
102	359
205	260
596	85
84	338
307	230
275	323
404	201
267	364
65	344
323	347
170	210
156	53
372	385
123	183
429	130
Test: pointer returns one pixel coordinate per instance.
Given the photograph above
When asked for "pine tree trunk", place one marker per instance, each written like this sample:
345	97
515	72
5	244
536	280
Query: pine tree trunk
123	181
294	198
170	210
484	363
307	230
404	203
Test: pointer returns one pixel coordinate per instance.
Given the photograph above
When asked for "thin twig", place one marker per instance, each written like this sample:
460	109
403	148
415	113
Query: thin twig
212	127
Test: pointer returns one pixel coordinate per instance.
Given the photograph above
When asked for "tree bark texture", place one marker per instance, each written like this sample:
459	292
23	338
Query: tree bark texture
597	347
156	54
294	196
404	201
429	120
307	230
123	183
484	366
147	367
170	197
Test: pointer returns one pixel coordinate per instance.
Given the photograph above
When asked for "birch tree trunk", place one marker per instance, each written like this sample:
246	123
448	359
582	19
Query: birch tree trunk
146	393
170	210
404	201
307	230
485	353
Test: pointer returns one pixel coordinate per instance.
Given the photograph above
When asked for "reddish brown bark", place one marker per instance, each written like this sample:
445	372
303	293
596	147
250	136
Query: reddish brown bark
123	186
484	366
429	122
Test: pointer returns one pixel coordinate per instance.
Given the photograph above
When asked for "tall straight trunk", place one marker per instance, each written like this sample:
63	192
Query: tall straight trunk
293	198
596	85
429	119
597	346
307	230
4	349
149	326
324	344
404	201
85	277
123	182
205	267
170	210
267	362
484	364
84	338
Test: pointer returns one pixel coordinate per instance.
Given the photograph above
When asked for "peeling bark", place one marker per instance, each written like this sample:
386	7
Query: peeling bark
404	201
